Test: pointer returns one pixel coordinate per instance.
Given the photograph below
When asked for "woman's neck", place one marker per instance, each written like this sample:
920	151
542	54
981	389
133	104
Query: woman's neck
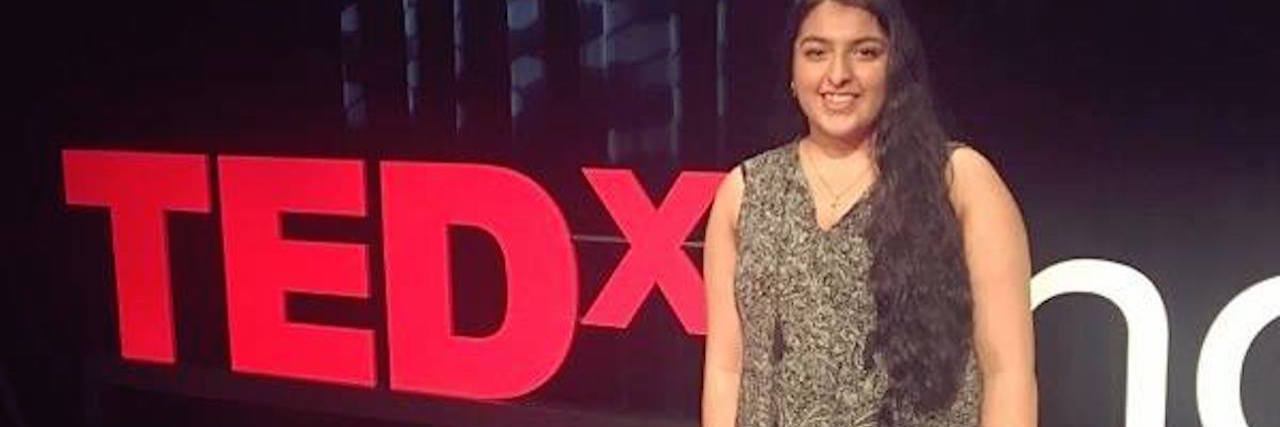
839	148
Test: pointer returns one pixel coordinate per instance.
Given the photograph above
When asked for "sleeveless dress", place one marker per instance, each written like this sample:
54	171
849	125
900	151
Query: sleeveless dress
806	310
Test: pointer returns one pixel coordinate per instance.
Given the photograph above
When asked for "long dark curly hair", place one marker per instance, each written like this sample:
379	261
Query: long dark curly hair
924	323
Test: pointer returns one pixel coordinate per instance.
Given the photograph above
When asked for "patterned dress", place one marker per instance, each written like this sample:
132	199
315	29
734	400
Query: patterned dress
806	310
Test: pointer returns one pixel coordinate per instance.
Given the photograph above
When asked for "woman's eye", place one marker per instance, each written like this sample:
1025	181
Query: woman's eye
869	52
814	53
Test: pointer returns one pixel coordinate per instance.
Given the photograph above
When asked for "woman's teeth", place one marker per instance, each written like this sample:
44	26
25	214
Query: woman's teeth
837	101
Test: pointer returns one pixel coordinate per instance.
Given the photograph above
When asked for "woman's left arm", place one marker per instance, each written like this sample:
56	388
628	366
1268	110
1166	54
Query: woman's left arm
995	247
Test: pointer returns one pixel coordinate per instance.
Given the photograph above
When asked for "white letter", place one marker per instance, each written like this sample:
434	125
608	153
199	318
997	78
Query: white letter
1224	349
1144	314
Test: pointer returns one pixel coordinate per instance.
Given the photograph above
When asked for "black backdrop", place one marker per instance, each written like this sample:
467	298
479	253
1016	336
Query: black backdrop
1142	132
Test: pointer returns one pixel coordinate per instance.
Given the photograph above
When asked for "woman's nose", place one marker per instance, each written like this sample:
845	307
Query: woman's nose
839	73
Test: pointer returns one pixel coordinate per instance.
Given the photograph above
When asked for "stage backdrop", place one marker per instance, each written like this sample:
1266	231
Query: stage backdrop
486	212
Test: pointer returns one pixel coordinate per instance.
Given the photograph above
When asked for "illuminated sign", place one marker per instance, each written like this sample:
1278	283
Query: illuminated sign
421	200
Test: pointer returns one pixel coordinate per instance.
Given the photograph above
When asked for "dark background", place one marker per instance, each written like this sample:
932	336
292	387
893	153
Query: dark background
1138	131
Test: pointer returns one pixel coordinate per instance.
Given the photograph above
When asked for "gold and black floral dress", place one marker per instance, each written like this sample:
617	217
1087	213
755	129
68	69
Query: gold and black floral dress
806	310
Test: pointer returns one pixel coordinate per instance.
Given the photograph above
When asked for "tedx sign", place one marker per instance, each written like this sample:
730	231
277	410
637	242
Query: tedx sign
421	200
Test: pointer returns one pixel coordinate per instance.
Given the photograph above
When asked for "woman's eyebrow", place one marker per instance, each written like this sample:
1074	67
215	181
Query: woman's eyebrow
869	39
826	41
814	39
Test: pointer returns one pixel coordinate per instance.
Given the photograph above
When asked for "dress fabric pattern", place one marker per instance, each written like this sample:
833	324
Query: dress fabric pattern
806	310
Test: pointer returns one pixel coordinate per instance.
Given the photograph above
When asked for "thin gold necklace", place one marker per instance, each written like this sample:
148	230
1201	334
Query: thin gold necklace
835	197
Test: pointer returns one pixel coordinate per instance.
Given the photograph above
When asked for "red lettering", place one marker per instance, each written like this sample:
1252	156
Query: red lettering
137	189
655	256
420	201
261	266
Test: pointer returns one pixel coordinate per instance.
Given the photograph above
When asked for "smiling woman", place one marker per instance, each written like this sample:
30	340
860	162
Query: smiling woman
847	284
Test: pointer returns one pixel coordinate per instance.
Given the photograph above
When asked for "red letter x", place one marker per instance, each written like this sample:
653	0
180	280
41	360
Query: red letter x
655	236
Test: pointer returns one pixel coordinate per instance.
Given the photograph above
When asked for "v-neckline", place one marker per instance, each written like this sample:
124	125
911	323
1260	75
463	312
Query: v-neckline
811	202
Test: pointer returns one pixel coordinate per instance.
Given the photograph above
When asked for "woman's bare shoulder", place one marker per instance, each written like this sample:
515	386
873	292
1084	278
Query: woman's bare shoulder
728	199
974	179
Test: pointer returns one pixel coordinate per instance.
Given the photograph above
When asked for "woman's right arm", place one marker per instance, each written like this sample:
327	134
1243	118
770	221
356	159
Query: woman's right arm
722	367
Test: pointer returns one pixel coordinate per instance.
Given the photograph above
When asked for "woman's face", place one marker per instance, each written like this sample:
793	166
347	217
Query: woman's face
839	66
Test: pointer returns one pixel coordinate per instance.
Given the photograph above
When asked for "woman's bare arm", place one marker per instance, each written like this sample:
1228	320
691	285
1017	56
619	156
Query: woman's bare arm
722	368
995	246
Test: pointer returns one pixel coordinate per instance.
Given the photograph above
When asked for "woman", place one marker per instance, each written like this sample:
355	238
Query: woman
869	272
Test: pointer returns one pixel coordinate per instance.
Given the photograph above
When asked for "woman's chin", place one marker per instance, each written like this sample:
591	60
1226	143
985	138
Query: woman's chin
842	132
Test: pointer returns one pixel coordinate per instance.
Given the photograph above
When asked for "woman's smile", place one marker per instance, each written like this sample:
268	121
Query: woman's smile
839	102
